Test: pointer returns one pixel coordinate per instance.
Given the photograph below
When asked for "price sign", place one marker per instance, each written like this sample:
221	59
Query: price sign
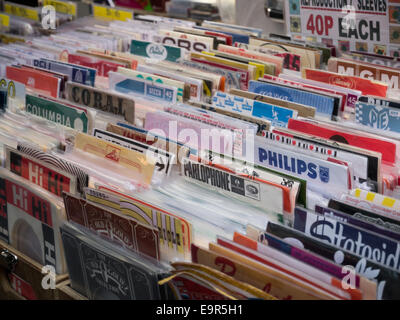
62	7
362	25
111	13
4	20
21	11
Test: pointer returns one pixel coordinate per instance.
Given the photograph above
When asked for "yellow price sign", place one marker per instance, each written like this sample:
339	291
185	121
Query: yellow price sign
6	39
62	7
21	11
5	20
111	13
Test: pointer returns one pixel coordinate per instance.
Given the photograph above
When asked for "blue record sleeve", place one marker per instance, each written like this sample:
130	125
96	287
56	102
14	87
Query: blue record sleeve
324	106
378	117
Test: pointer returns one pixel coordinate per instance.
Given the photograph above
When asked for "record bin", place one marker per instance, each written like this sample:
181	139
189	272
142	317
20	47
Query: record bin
21	277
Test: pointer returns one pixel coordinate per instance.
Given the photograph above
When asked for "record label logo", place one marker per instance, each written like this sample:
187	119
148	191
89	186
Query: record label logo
156	51
324	174
237	185
56	112
30	82
104	274
101	100
379	118
252	190
113	153
78	76
341	81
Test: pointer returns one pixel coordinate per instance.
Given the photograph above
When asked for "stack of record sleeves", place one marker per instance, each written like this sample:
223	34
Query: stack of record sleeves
148	157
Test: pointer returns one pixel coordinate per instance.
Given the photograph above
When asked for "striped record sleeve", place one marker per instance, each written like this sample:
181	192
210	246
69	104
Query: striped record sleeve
300	144
376	198
174	232
81	175
170	227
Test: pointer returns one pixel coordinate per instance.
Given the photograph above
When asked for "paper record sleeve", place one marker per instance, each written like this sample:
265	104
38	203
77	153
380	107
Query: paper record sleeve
36	212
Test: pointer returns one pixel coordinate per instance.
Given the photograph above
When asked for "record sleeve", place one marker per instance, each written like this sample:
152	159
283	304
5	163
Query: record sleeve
113	225
143	136
185	41
368	288
378	117
308	57
135	86
275	259
367	214
102	67
262	125
369	245
278	116
390	76
199	282
266	279
333	148
90	72
43	175
302	110
379	101
74	73
347	218
163	160
392	205
387	279
30	220
179	85
351	94
357	138
290	61
317	172
44	83
219	38
338	95
15	92
299	288
76	118
189	132
175	233
261	67
357	164
255	191
102	271
297	186
156	51
56	161
103	100
366	86
192	85
277	61
240	130
140	169
236	37
325	106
